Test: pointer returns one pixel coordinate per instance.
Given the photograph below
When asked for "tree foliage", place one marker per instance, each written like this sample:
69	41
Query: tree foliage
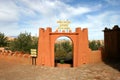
94	45
3	40
24	42
63	50
67	46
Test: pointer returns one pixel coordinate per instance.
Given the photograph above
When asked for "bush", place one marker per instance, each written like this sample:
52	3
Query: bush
62	61
94	45
63	51
24	42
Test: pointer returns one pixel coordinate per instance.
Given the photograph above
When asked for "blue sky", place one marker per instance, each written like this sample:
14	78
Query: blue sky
29	15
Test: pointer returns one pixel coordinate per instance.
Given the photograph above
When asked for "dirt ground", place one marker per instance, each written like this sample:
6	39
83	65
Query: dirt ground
16	68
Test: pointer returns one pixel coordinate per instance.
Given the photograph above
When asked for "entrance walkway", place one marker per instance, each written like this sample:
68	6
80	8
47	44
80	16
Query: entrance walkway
14	69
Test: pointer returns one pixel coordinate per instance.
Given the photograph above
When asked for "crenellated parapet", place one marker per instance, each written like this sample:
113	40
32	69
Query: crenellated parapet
115	28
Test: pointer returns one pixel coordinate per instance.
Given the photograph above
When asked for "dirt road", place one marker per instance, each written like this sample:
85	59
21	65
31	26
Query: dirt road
15	68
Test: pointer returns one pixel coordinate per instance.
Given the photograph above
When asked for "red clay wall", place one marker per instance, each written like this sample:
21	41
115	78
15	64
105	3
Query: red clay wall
16	57
95	56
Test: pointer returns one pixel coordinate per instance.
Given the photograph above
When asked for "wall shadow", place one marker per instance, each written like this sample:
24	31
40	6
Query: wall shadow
114	63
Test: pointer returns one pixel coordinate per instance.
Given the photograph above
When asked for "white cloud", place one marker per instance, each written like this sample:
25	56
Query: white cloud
45	13
97	23
9	29
54	8
8	12
105	18
51	11
74	11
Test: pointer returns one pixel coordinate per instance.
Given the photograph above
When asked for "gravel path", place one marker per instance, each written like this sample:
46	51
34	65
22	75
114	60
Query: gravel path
17	69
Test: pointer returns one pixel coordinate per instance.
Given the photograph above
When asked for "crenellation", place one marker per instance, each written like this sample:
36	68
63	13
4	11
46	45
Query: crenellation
78	29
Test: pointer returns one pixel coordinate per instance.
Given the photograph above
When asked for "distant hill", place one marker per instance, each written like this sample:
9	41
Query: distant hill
11	37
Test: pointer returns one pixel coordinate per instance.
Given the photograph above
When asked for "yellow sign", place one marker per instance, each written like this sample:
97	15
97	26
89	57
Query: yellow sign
63	25
33	52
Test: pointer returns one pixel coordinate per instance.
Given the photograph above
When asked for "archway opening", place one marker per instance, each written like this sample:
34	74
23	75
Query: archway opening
63	49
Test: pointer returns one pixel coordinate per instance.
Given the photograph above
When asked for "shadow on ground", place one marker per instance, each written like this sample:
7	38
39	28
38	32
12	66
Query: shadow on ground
114	64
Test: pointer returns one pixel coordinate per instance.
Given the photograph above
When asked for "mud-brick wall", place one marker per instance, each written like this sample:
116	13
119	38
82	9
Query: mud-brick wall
95	56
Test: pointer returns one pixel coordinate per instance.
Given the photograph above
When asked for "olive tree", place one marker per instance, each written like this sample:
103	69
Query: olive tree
24	42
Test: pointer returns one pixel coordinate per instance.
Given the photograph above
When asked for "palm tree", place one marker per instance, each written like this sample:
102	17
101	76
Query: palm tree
3	40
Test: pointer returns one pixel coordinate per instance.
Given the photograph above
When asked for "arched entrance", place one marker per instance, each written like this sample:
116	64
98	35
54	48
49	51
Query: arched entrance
47	39
63	49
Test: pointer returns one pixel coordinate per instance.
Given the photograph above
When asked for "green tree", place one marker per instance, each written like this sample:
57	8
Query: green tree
24	42
94	45
3	40
63	50
67	46
60	54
